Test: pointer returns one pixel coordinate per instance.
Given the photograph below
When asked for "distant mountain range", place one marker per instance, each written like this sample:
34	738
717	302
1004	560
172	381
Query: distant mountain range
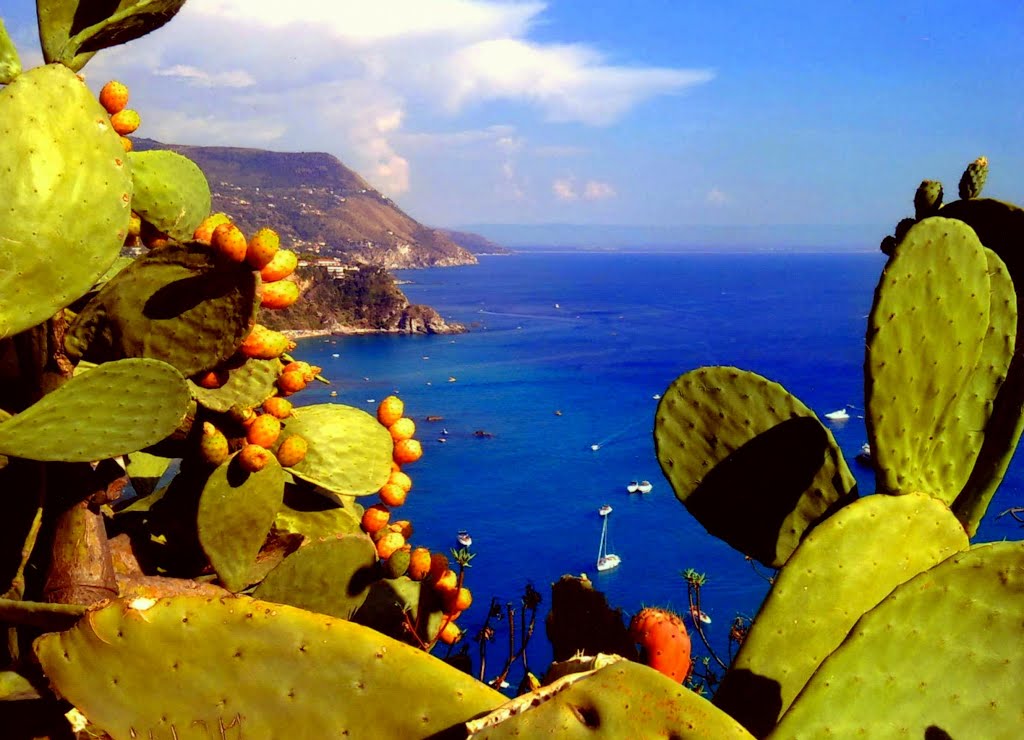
318	205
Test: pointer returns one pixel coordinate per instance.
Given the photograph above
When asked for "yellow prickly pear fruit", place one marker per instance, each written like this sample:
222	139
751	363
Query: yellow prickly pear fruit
134	224
392	495
213	445
229	241
254	458
281	266
292	451
114	97
451	634
387	544
280	294
264	430
404	428
419	564
277	406
126	144
262	247
125	121
265	344
400	479
204	231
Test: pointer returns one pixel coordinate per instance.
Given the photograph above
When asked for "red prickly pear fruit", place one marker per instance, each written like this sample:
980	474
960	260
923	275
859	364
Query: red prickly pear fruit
419	564
265	344
292	451
212	380
407	451
264	430
278	295
263	245
392	495
114	97
291	381
438	565
664	642
125	121
229	241
375	518
277	406
213	445
280	266
253	458
204	231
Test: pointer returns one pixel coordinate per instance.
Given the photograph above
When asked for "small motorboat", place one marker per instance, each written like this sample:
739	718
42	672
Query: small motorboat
838	415
632	487
335	355
605	510
463	538
595	448
698	616
644	487
864	456
334	394
656	396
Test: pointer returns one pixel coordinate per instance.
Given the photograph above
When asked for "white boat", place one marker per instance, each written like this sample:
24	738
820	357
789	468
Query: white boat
632	487
697	615
605	510
644	487
595	448
606	560
838	415
335	355
464	539
864	456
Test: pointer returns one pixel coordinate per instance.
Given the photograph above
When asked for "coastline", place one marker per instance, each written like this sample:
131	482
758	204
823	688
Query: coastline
341	331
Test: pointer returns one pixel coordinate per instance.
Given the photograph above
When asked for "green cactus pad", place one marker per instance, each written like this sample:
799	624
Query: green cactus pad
388	603
250	382
750	461
941	656
236	510
64	218
114	409
927	199
175	304
254	669
145	471
929	373
349	451
171	192
315	516
973	179
330	577
843	568
621	700
10	64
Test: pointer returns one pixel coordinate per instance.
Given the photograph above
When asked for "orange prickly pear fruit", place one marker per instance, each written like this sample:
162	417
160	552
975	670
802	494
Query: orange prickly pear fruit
281	265
114	97
407	451
213	445
262	247
281	294
403	527
457	601
447	582
438	565
125	121
134	224
264	430
392	495
277	406
451	634
292	451
375	518
254	458
419	564
265	344
126	144
243	415
387	544
212	380
400	479
404	428
204	231
229	241
291	381
664	642
390	410
308	371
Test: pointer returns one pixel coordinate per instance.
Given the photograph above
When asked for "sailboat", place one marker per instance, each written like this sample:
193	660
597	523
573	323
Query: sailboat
605	560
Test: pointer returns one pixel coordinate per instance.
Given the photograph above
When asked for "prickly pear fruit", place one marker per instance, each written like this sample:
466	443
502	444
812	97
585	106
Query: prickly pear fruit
280	294
438	565
457	601
263	245
404	428
264	430
265	344
229	241
375	518
447	582
390	410
307	371
664	642
407	451
114	97
125	122
388	544
292	451
973	179
277	406
204	231
253	458
213	379
392	495
213	445
403	527
902	228
134	224
419	563
280	266
242	415
400	479
126	144
291	381
451	634
927	199
397	565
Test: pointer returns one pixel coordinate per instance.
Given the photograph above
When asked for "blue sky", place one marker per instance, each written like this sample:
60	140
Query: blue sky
656	113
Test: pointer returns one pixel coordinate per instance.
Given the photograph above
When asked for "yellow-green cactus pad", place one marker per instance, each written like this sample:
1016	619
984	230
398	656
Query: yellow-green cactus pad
10	64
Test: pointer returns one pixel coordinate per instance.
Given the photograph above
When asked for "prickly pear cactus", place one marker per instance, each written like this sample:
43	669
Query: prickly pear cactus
10	64
171	192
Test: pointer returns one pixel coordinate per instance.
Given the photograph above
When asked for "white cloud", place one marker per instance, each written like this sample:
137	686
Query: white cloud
564	189
717	197
180	128
597	190
199	78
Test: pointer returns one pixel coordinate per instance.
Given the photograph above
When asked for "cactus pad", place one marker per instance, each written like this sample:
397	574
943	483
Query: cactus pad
349	451
944	651
111	410
247	668
250	382
236	510
316	516
391	601
10	65
330	577
171	192
624	699
844	567
64	212
174	304
145	471
931	365
750	461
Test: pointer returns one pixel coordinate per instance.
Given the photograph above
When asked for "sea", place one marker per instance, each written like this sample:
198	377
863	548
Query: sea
547	406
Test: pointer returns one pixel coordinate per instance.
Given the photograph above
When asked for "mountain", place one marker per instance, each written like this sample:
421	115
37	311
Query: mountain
474	243
317	205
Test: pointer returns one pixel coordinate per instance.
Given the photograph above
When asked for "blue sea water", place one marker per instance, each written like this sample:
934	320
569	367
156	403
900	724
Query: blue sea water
596	336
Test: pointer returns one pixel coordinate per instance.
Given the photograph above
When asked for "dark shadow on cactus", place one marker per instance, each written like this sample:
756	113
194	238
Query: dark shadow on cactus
747	497
581	620
91	13
753	700
936	733
385	607
174	299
